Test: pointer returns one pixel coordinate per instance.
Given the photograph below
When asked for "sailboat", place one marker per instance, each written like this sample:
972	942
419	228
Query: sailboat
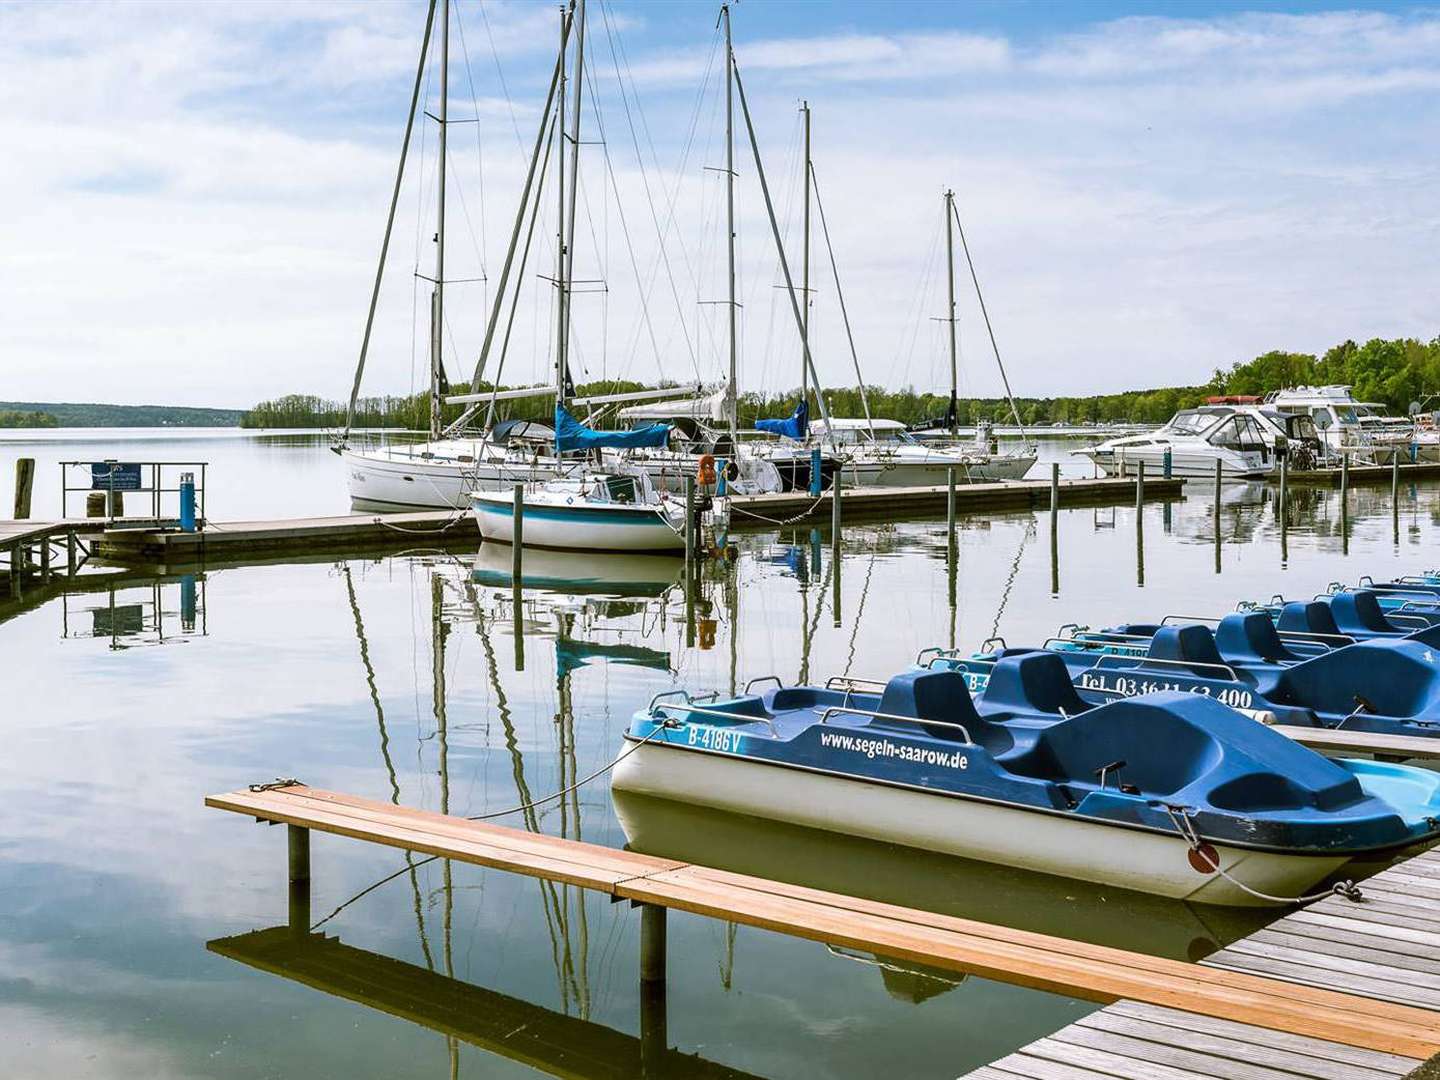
584	507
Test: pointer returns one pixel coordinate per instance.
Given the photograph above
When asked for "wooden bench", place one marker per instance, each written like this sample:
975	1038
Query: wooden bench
1074	968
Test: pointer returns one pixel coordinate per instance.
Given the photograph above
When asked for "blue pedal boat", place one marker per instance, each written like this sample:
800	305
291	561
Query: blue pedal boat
1168	793
1388	686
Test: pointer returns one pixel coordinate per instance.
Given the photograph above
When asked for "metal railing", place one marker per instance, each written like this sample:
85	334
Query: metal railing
849	711
113	477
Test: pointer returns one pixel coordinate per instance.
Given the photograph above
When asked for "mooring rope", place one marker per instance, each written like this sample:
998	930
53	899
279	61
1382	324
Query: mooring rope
775	521
1186	828
485	817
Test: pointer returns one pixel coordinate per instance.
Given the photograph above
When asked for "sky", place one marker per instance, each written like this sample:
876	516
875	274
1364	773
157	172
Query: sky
193	196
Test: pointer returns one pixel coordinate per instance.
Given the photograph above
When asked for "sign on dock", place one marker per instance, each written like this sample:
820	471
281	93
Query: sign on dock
115	476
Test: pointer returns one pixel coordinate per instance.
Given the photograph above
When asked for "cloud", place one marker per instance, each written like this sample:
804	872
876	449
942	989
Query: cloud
197	195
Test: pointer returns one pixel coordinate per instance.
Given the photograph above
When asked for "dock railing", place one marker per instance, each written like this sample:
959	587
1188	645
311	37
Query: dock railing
118	478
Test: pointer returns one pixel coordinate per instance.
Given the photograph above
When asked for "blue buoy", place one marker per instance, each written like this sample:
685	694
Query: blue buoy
187	502
1168	463
815	471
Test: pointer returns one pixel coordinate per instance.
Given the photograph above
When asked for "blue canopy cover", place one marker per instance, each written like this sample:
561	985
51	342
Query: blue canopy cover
571	434
796	427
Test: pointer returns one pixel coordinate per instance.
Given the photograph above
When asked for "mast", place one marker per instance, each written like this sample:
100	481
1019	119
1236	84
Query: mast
568	251
805	263
954	416
437	301
732	404
560	224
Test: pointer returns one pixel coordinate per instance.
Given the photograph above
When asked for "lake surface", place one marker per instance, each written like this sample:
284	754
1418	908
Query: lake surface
403	678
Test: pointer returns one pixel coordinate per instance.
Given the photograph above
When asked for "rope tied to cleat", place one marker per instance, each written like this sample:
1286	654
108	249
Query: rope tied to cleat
275	785
1205	858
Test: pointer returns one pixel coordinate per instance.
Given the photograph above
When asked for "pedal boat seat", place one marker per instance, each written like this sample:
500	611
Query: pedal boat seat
942	696
1308	617
1249	637
1386	677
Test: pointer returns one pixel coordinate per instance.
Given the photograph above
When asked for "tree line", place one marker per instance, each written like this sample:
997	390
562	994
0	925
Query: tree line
18	418
1397	373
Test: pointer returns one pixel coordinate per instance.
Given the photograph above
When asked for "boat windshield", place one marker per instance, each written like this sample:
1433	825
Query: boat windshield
1190	422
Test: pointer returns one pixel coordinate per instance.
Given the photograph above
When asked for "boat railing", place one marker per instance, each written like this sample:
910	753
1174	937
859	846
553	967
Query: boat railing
1188	620
1310	635
688	706
1097	644
750	686
850	711
1189	665
993	643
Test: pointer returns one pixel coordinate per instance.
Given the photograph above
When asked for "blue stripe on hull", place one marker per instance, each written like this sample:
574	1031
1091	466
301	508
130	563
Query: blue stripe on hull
600	516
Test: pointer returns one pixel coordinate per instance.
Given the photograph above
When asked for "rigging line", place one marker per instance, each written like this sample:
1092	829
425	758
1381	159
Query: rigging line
840	295
914	319
470	225
1014	409
479	148
663	254
500	72
390	221
630	248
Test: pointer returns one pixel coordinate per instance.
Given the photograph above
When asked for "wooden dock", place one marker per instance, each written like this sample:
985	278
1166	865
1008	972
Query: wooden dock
31	550
1366	475
869	503
1384	949
338	534
1340	741
1383	1029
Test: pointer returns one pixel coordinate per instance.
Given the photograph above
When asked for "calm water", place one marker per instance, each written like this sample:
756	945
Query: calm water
403	678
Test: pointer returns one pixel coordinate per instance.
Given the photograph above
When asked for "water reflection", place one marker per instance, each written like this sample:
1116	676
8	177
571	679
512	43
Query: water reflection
161	612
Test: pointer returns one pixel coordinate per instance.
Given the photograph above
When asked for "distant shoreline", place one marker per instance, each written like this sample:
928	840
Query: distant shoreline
97	415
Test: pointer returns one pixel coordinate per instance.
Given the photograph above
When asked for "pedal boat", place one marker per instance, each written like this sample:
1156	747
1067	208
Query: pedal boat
1107	794
1387	686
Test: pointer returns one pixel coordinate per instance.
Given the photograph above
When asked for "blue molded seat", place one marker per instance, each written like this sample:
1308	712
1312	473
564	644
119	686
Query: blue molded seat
1382	677
931	695
1189	645
1308	617
1249	637
1031	683
1359	613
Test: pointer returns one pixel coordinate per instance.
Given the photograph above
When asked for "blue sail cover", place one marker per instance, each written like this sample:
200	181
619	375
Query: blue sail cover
571	434
796	427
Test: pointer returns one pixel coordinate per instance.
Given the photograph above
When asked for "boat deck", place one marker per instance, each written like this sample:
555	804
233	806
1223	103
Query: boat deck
1386	1031
1384	949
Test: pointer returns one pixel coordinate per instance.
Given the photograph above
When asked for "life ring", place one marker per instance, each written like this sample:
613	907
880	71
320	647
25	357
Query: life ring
732	471
705	473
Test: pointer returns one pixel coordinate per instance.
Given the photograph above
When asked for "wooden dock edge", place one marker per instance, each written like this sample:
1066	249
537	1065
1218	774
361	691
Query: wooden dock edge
1025	958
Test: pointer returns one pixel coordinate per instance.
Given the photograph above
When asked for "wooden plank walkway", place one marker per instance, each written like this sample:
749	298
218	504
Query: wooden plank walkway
1384	949
1407	747
344	532
896	502
1058	965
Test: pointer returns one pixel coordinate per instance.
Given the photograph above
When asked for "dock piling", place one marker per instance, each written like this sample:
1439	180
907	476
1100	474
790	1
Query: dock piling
654	1038
299	910
1054	487
1345	503
72	559
24	486
17	570
517	535
1219	484
45	560
950	503
1139	486
835	559
689	522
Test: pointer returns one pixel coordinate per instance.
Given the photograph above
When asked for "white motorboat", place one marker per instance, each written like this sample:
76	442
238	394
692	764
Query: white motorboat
1195	439
883	453
1337	417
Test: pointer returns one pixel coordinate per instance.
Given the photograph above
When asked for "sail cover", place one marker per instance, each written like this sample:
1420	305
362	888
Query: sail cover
795	427
571	434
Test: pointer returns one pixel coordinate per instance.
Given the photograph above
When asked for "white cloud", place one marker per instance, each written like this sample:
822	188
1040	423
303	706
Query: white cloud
194	197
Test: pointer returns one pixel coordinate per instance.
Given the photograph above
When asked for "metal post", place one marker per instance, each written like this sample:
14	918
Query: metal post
1169	463
24	485
1054	487
950	503
653	1035
517	535
299	844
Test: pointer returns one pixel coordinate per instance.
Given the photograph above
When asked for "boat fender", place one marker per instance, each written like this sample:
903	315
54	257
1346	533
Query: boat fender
1204	859
705	473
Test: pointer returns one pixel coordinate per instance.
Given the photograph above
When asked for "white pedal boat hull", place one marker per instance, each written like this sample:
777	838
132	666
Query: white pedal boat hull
969	828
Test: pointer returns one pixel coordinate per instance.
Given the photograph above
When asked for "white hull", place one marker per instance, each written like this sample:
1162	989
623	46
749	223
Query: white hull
933	471
577	527
972	829
1182	463
398	479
